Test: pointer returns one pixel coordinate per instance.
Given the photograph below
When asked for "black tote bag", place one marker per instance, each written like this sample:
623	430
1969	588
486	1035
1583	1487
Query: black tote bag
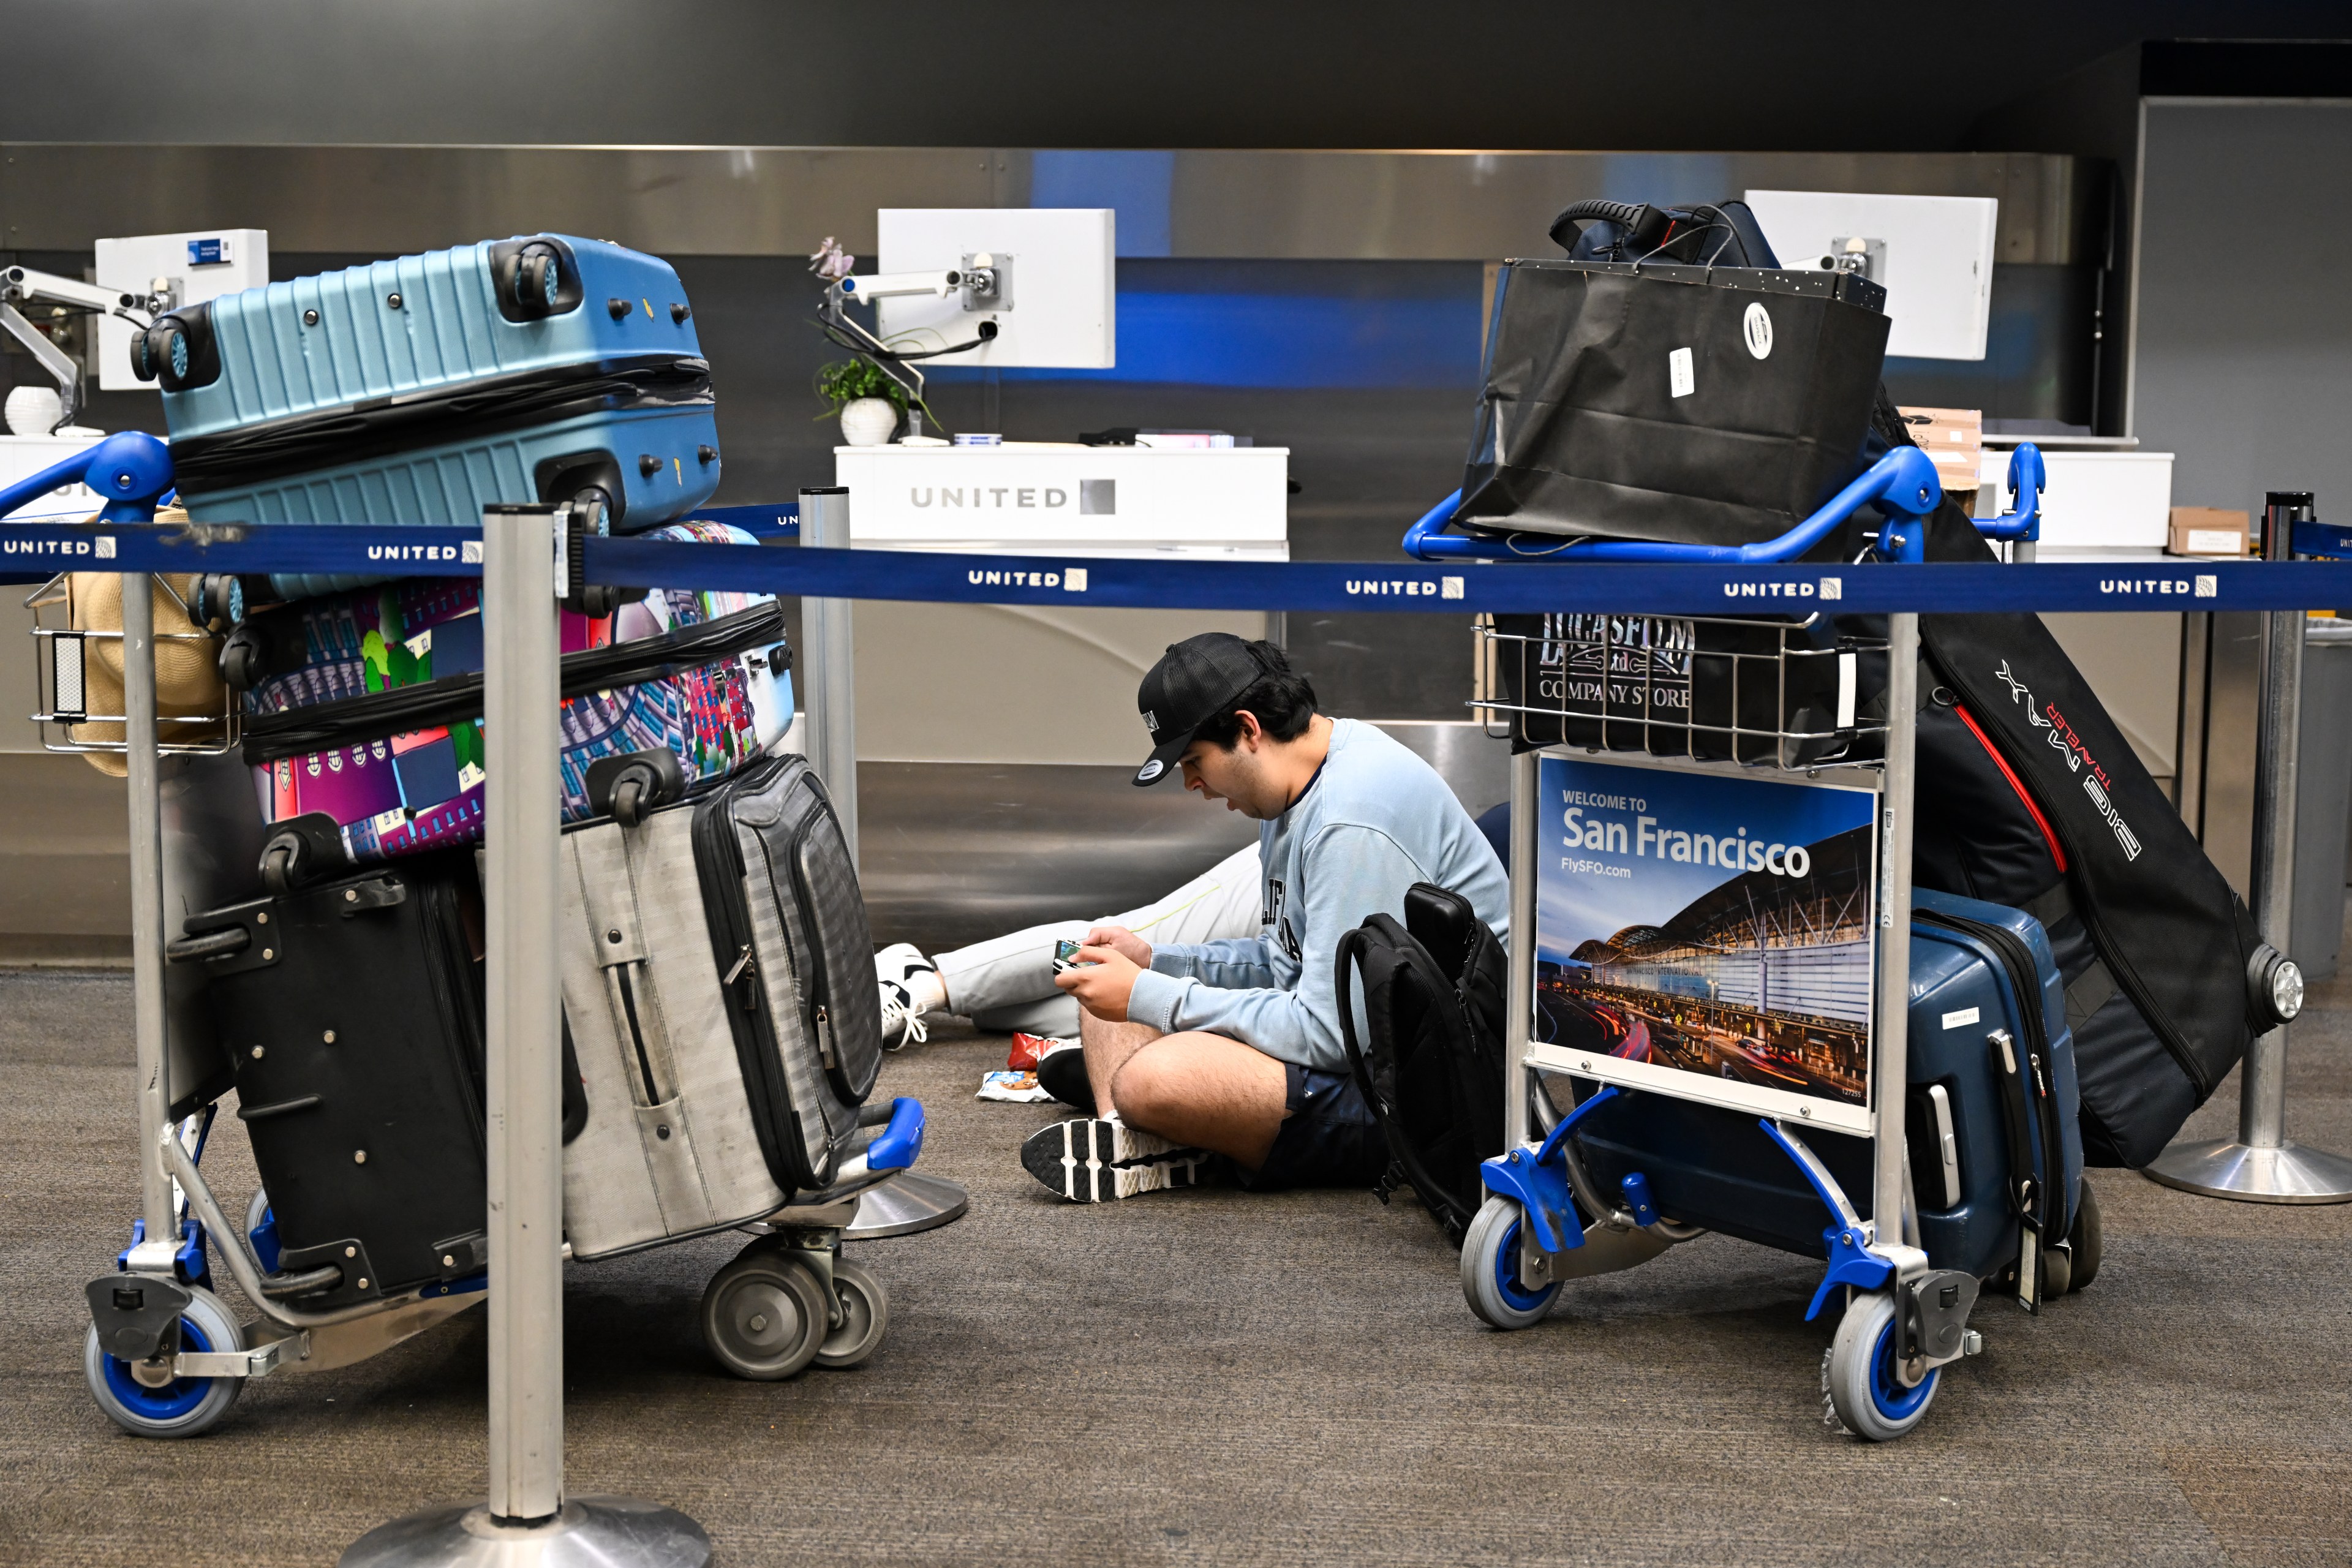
1681	404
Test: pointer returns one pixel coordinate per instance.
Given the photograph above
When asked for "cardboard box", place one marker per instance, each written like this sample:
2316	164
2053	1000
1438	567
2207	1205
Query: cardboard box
2207	530
1953	439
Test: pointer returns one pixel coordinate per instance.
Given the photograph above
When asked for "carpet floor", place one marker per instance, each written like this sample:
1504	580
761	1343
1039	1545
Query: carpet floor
1215	1377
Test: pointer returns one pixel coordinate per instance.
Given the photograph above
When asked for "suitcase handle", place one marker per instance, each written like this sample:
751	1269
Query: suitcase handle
285	1287
211	944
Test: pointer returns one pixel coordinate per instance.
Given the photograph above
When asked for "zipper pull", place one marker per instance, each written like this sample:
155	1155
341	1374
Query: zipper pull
748	973
825	1037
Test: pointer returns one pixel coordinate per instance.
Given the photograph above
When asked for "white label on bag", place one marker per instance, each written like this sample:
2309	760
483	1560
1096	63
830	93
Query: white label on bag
1960	1019
1680	377
1756	327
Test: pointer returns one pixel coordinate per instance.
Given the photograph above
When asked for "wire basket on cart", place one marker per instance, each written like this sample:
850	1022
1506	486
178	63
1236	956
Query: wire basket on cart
77	675
1787	694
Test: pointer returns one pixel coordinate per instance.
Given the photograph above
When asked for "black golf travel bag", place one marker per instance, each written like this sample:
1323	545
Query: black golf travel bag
2030	796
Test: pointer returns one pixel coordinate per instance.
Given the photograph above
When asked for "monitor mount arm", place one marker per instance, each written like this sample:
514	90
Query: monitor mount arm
982	285
23	284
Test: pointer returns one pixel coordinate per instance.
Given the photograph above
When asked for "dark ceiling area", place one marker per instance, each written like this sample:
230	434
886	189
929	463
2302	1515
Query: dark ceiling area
1503	74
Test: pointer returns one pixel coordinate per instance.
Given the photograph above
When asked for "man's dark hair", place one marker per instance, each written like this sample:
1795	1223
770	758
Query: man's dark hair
1281	699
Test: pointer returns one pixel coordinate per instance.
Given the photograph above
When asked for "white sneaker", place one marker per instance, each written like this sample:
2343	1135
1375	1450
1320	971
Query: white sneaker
905	999
902	1022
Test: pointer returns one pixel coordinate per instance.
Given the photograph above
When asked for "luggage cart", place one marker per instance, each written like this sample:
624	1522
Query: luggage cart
1547	1219
165	1356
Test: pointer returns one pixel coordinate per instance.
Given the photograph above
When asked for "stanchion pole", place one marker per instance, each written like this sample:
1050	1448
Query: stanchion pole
527	1519
1890	1069
832	689
2262	1165
1527	820
157	1208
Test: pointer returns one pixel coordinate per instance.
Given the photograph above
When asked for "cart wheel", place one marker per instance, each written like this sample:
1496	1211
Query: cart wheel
1490	1270
183	1407
764	1315
258	1211
1859	1375
2086	1239
866	1310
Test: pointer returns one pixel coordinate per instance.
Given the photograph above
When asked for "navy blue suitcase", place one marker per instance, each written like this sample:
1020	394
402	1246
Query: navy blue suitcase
540	368
1980	1113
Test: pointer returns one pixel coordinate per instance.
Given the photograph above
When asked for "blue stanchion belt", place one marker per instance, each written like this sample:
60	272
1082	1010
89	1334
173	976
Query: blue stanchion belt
31	552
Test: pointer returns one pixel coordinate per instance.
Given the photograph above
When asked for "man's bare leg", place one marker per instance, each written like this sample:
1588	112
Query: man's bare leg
1107	1045
1199	1089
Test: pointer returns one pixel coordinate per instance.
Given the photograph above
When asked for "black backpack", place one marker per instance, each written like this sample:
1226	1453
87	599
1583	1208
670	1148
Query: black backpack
1431	1069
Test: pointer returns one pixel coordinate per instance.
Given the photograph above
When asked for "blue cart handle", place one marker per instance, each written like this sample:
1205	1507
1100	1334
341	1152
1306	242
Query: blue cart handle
895	1148
132	470
2027	475
1904	482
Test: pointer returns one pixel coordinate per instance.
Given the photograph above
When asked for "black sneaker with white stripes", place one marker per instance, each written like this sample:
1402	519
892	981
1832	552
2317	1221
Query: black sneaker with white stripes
1091	1160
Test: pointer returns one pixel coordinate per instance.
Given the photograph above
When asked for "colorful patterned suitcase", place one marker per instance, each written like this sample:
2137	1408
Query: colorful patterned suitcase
367	716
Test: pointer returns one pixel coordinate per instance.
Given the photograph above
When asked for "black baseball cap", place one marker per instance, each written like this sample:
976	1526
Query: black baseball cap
1195	681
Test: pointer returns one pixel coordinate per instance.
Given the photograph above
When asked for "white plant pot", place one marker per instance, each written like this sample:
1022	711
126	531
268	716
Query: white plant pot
868	421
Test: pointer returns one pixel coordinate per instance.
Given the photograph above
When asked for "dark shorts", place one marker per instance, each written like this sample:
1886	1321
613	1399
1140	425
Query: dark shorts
1330	1137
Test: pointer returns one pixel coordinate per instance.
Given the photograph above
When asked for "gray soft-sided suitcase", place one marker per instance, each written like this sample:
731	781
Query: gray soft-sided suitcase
712	957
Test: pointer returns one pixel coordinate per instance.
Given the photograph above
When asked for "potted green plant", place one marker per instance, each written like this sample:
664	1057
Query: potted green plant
868	403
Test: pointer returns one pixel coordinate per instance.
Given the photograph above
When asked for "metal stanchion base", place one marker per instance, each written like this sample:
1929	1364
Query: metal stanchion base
907	1203
590	1533
2225	1168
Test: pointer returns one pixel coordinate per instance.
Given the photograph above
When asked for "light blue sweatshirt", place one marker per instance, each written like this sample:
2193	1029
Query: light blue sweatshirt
1374	820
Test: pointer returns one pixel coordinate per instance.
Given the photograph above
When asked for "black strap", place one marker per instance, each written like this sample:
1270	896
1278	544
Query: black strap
2009	1070
1351	947
2095	987
2092	990
451	700
2051	907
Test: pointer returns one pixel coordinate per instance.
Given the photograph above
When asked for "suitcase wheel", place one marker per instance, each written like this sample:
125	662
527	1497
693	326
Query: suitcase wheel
174	1406
2085	1240
764	1315
1490	1270
1858	1376
866	1315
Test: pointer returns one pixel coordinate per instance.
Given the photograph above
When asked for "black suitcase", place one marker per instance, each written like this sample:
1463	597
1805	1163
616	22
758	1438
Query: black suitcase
352	1011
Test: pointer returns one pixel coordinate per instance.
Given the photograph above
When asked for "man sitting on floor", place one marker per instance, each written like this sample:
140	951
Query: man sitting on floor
1233	1047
